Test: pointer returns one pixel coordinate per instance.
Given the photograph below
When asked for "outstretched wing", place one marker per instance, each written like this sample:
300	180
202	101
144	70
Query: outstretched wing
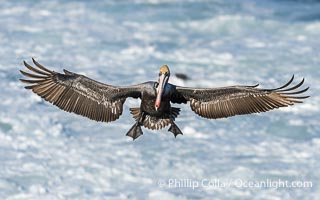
238	100
79	94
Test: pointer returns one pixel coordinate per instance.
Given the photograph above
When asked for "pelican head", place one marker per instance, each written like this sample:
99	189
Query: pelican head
164	75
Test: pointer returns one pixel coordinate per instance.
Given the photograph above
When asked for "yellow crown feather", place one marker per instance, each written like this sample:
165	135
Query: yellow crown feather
164	69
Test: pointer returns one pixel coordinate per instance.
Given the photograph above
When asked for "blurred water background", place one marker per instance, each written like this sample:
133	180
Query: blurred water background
46	153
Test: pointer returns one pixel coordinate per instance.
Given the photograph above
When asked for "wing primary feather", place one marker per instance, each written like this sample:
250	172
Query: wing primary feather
285	85
294	97
32	75
253	86
40	87
277	103
294	101
30	87
269	100
34	81
297	92
292	88
35	70
41	67
46	91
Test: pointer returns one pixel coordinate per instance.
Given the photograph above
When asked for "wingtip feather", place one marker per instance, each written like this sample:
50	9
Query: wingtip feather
67	72
41	66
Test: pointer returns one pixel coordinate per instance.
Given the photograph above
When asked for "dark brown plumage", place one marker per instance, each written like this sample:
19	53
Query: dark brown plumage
81	95
238	100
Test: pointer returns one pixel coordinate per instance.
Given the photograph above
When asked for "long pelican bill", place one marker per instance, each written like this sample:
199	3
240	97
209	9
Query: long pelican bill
162	83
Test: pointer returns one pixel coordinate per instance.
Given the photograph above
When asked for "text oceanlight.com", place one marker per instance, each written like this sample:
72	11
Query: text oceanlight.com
227	183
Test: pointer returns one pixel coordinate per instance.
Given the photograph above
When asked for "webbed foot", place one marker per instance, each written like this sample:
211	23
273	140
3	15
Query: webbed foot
135	131
175	129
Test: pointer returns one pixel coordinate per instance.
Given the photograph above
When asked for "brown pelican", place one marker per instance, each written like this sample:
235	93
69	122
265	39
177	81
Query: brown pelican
101	102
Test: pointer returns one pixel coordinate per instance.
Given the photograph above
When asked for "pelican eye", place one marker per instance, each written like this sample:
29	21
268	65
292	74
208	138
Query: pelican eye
155	85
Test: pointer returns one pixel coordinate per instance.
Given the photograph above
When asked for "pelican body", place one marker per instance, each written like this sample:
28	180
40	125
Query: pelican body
101	102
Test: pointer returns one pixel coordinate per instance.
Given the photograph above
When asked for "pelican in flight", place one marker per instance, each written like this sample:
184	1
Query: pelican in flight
101	102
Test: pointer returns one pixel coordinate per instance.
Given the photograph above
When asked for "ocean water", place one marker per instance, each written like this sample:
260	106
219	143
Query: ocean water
46	153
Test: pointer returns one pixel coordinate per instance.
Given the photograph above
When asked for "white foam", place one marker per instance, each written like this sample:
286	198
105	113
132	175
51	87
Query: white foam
313	27
192	133
254	43
198	56
158	194
296	122
14	10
